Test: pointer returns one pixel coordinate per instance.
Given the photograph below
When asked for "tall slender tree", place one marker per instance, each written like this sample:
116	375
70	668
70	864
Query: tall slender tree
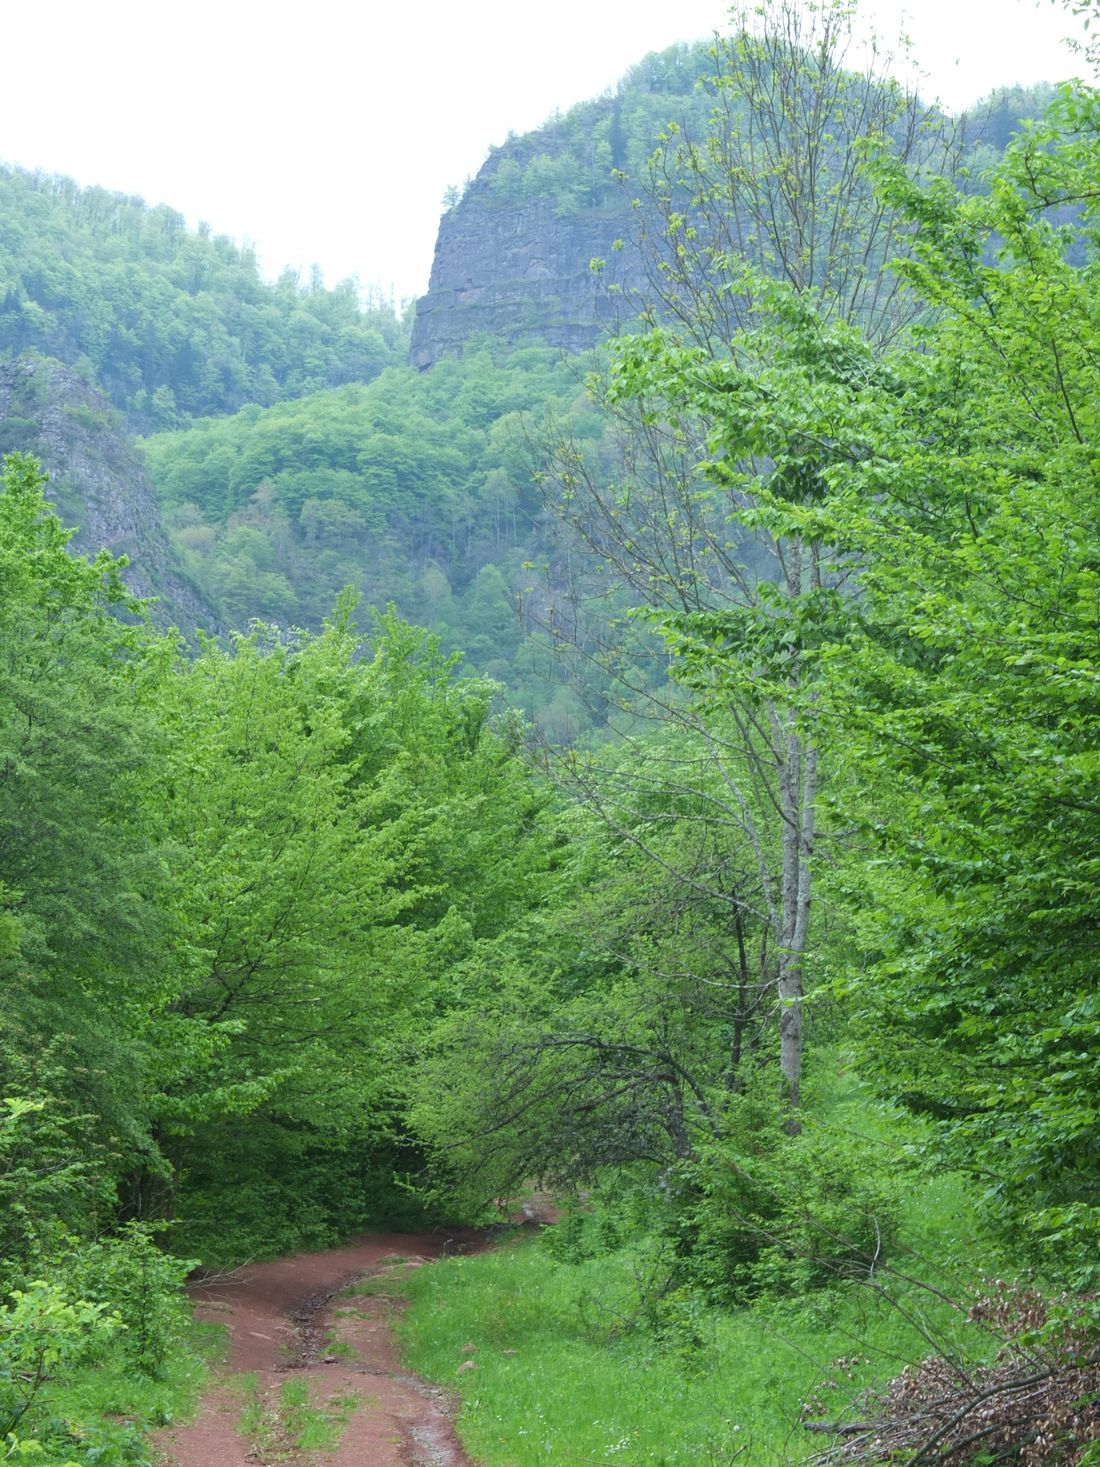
776	191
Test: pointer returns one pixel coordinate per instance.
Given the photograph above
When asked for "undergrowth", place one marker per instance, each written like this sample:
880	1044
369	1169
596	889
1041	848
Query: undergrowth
97	1349
104	1412
591	1343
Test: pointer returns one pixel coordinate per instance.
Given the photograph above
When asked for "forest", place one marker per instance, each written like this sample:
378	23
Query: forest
659	781
171	323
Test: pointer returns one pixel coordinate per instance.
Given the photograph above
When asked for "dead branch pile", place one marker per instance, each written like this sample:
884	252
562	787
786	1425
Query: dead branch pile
1036	1403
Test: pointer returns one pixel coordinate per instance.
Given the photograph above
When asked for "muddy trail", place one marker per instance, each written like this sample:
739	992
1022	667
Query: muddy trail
313	1373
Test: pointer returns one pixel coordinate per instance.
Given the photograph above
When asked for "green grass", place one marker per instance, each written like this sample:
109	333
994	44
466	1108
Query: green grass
567	1368
560	1375
105	1412
389	1281
279	1427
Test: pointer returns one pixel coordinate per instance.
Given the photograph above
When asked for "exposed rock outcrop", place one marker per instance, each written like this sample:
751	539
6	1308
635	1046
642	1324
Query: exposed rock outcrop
513	255
96	481
521	270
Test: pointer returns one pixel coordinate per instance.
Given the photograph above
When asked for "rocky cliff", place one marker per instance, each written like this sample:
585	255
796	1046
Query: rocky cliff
513	255
96	481
522	270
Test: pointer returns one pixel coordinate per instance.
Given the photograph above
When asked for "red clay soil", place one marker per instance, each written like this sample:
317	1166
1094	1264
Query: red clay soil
286	1324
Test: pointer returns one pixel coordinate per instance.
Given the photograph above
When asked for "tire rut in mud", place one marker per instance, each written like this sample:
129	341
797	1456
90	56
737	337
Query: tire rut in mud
280	1320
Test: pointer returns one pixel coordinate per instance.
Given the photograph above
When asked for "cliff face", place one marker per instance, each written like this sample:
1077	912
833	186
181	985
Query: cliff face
512	257
521	271
96	481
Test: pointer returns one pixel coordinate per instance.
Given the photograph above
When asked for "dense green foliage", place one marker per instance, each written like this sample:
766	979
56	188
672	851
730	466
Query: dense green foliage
82	976
297	935
978	683
407	487
414	489
956	486
233	888
933	489
172	323
573	161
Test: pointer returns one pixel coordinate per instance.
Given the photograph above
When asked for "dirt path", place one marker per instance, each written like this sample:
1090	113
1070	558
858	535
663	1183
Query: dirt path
319	1365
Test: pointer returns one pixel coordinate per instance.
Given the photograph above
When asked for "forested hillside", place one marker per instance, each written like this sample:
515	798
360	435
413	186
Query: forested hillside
172	323
769	955
415	489
419	488
406	488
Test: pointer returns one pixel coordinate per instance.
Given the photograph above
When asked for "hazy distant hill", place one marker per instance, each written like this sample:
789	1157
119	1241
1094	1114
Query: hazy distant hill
291	449
415	488
172	323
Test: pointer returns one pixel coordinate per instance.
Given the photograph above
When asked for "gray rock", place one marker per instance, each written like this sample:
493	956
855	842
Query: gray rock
96	481
521	271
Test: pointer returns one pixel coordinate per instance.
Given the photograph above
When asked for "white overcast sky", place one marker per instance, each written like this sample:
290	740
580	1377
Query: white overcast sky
328	132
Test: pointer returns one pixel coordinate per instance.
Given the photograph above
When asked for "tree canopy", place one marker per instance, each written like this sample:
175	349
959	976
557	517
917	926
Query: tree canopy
172	323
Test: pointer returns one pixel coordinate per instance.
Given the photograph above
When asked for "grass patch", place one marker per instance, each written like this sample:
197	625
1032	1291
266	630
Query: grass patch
378	1286
105	1412
386	1282
561	1373
586	1361
280	1426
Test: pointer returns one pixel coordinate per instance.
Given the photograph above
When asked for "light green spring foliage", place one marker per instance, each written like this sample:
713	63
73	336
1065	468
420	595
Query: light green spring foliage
343	819
80	868
952	643
243	896
584	1347
977	674
233	890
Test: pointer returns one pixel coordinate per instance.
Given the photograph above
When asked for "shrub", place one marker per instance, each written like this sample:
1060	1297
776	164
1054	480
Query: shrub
128	1277
764	1213
42	1334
